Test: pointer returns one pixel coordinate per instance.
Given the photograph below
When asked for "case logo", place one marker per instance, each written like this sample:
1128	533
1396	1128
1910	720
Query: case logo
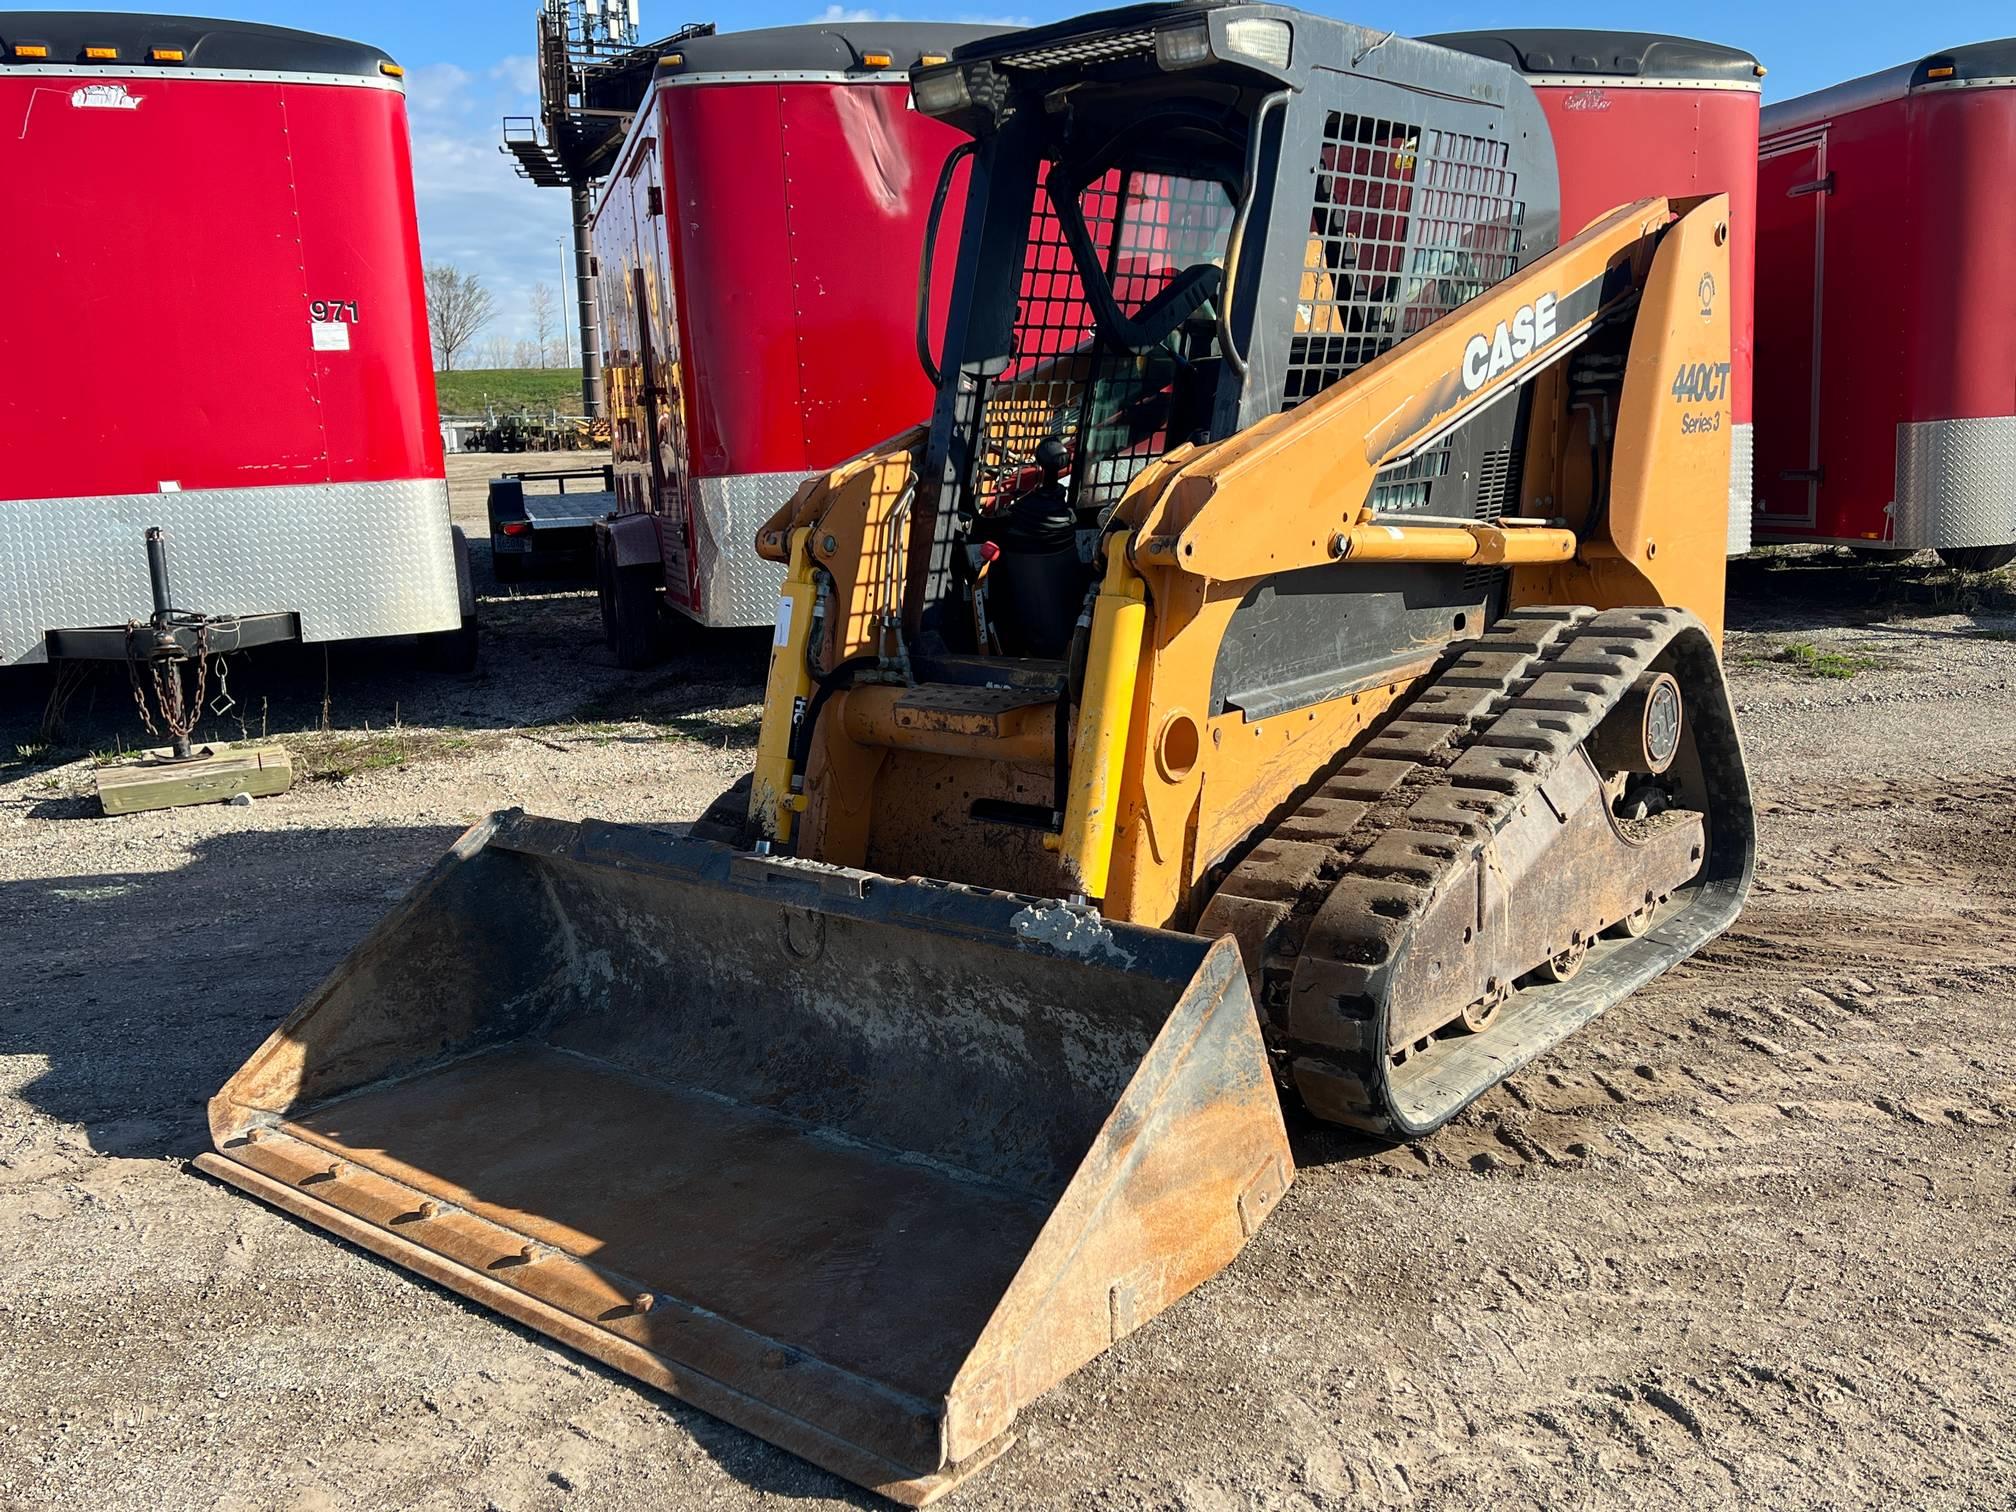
1529	329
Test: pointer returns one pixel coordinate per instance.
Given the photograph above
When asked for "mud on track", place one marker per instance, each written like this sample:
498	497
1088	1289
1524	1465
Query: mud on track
1745	1241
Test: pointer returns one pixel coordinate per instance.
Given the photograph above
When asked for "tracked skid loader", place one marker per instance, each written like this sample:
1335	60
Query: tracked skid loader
1282	671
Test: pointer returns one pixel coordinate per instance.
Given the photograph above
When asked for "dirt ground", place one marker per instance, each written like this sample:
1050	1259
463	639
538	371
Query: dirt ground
1746	1240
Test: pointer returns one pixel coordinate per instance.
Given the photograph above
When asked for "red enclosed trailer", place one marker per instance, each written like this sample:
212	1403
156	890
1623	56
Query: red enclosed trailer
1636	114
757	249
215	324
1886	262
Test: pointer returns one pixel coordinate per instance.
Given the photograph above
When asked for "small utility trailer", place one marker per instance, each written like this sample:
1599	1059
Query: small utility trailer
542	524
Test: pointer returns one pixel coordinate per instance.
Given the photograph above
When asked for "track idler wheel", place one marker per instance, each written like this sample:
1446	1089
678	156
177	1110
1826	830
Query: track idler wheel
1642	733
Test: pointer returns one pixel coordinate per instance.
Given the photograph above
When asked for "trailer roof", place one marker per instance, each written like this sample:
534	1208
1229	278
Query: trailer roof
839	47
1978	65
1612	56
228	46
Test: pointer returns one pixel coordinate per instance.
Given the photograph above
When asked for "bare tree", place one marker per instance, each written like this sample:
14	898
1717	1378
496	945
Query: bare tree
525	355
544	311
458	306
497	352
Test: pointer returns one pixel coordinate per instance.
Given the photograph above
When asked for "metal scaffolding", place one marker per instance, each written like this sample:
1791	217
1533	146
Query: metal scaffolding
593	75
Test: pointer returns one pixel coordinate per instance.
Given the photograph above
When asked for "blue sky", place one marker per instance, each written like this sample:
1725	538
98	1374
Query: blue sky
469	62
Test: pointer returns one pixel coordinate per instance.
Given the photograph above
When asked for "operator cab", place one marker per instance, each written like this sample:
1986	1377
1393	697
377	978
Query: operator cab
1172	230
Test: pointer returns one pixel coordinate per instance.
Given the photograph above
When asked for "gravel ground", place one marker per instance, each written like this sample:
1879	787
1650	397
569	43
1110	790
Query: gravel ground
1745	1240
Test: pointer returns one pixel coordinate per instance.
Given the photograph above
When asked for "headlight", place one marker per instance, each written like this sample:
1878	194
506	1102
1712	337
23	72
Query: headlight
941	92
1261	38
1183	46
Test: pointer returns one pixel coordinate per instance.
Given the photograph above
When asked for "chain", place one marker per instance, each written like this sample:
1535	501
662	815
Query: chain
133	676
166	676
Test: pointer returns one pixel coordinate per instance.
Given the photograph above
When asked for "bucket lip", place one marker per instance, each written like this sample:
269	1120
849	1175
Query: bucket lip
289	1166
909	1484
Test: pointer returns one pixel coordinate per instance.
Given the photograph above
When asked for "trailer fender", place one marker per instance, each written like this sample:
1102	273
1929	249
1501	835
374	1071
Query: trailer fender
633	540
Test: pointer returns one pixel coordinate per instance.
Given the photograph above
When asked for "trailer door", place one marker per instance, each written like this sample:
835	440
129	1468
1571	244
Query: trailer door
1793	186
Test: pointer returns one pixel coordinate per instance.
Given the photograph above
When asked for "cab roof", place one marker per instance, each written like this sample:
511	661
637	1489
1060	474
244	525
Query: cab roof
1977	65
235	46
835	47
1621	55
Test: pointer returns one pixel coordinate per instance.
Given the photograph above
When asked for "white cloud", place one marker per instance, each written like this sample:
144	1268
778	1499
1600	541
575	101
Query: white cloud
835	15
520	72
438	89
475	212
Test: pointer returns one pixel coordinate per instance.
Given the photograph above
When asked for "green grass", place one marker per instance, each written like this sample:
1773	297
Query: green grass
671	708
337	756
1808	660
471	391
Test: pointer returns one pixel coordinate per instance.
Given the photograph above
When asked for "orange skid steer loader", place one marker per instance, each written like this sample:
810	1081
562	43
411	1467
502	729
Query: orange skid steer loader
1283	668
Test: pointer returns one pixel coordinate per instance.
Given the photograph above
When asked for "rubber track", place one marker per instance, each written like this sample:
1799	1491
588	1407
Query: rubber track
1404	814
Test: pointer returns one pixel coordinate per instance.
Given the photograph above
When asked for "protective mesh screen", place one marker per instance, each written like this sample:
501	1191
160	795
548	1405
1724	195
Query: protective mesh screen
1407	224
1109	407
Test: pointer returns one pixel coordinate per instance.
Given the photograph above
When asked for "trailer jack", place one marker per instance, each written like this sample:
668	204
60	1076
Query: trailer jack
168	645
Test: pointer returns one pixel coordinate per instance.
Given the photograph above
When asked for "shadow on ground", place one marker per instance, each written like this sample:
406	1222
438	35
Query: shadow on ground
542	661
1823	589
143	991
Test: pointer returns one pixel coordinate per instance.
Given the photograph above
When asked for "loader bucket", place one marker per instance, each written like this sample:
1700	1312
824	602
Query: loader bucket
857	1164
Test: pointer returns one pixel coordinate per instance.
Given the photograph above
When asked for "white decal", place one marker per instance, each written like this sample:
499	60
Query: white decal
329	335
783	622
1485	357
1586	99
104	97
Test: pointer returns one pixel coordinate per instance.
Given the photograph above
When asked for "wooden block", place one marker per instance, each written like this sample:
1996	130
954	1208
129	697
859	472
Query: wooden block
222	770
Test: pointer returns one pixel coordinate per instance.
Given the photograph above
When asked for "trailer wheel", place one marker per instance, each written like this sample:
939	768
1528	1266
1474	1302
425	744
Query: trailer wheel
1977	558
630	607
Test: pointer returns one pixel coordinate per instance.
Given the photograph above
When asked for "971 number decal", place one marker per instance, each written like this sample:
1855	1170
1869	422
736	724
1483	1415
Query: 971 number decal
1701	383
344	310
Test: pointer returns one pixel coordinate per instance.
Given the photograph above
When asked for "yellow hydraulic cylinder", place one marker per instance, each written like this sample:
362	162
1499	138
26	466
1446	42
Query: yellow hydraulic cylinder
772	802
1479	545
1099	755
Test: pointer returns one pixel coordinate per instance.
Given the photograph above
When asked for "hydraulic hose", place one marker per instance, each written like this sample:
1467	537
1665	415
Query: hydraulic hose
825	686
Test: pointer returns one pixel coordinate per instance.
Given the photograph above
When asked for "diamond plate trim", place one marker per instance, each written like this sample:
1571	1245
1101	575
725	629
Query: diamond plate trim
736	587
351	559
1956	483
1742	467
